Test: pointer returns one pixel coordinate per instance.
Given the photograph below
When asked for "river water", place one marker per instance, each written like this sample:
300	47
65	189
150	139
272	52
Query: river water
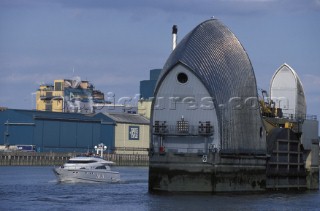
36	188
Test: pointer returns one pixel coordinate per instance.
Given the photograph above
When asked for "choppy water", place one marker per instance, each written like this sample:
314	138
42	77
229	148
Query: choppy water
36	188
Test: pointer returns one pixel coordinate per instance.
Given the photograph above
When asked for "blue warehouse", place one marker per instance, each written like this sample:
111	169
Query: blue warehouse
51	131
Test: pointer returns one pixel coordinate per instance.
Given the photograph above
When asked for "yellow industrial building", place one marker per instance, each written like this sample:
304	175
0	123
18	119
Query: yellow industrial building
68	95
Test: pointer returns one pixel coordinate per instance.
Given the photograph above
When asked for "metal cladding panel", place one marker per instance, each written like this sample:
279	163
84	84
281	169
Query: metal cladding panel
154	74
287	91
147	88
20	129
21	134
191	104
51	134
218	59
96	134
84	134
38	134
107	136
310	131
68	134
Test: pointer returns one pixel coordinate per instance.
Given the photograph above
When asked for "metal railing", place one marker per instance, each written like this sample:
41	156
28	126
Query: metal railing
182	129
299	116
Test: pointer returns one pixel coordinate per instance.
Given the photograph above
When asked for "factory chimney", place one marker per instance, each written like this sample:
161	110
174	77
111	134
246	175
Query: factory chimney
174	36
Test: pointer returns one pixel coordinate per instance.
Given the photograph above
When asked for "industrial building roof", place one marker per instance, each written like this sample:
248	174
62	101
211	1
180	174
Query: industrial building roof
128	118
15	115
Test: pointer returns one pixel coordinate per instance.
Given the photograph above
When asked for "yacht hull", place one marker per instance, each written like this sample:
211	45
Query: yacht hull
85	175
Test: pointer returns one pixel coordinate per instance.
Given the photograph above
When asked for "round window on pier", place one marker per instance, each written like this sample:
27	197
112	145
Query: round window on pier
182	78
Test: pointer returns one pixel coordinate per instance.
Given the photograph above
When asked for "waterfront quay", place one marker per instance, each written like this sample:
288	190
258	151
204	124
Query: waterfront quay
59	158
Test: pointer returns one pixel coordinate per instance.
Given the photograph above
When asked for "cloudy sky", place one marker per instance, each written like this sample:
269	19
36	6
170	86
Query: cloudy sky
114	44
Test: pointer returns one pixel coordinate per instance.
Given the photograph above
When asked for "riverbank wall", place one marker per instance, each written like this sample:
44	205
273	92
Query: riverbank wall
58	158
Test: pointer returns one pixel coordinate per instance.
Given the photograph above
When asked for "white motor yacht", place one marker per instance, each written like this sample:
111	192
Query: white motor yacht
87	168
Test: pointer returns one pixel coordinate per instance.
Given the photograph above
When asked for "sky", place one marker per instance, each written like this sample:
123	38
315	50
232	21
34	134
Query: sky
114	44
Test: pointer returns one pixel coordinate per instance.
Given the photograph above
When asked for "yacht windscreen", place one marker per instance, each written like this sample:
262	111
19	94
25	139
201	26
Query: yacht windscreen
101	167
81	161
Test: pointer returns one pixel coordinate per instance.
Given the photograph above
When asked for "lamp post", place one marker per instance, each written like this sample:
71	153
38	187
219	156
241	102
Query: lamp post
100	148
6	135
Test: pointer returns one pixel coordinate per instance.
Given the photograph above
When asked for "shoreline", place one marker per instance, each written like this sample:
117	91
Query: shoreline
59	158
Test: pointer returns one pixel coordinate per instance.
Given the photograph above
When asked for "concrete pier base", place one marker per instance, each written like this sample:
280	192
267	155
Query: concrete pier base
313	178
181	175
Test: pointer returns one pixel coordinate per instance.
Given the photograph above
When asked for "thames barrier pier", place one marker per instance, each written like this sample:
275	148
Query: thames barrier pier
210	132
